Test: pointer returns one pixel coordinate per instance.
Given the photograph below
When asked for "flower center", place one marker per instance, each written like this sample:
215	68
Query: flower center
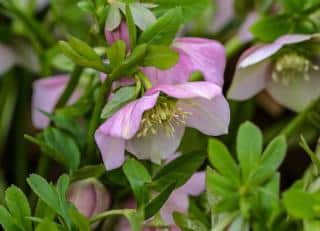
292	66
165	114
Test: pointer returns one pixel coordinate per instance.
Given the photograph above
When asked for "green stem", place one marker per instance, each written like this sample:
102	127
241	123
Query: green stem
233	46
299	120
118	212
71	86
95	119
20	150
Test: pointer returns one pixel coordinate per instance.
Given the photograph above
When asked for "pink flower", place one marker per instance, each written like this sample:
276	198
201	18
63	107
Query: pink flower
7	58
120	33
89	196
289	74
152	127
224	13
46	93
177	202
196	54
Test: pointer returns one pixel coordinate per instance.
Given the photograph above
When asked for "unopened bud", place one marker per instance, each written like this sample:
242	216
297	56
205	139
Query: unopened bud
120	33
89	196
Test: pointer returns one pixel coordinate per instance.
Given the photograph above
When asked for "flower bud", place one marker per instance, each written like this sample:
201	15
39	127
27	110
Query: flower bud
120	33
89	196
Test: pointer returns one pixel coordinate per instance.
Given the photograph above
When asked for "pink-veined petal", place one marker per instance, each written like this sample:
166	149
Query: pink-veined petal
126	122
188	90
297	95
248	81
112	150
211	117
180	73
46	93
266	51
195	185
156	147
207	56
177	202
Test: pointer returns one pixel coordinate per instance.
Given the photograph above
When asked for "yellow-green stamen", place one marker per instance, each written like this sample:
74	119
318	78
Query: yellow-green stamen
290	67
165	114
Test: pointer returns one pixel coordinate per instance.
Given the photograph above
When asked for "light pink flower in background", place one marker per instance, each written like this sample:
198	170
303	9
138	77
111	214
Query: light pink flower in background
120	33
8	58
152	127
224	13
46	93
288	75
177	202
89	196
196	54
244	34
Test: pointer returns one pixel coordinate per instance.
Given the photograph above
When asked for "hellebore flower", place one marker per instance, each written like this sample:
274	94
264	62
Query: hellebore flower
287	69
120	33
46	93
152	127
177	202
196	54
7	58
89	196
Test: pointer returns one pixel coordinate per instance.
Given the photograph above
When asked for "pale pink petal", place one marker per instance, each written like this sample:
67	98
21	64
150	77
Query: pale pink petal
248	81
207	56
195	185
46	93
177	202
188	90
156	147
125	123
120	33
180	73
223	14
266	51
244	33
7	58
297	95
112	150
211	117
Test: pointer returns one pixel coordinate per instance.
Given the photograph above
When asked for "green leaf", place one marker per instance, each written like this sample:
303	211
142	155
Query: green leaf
45	191
131	27
221	159
114	18
219	185
118	100
47	225
81	222
64	145
301	204
271	159
83	49
190	8
249	147
44	211
135	219
90	171
186	223
7	221
18	206
137	176
164	30
116	53
155	204
270	28
162	57
179	170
